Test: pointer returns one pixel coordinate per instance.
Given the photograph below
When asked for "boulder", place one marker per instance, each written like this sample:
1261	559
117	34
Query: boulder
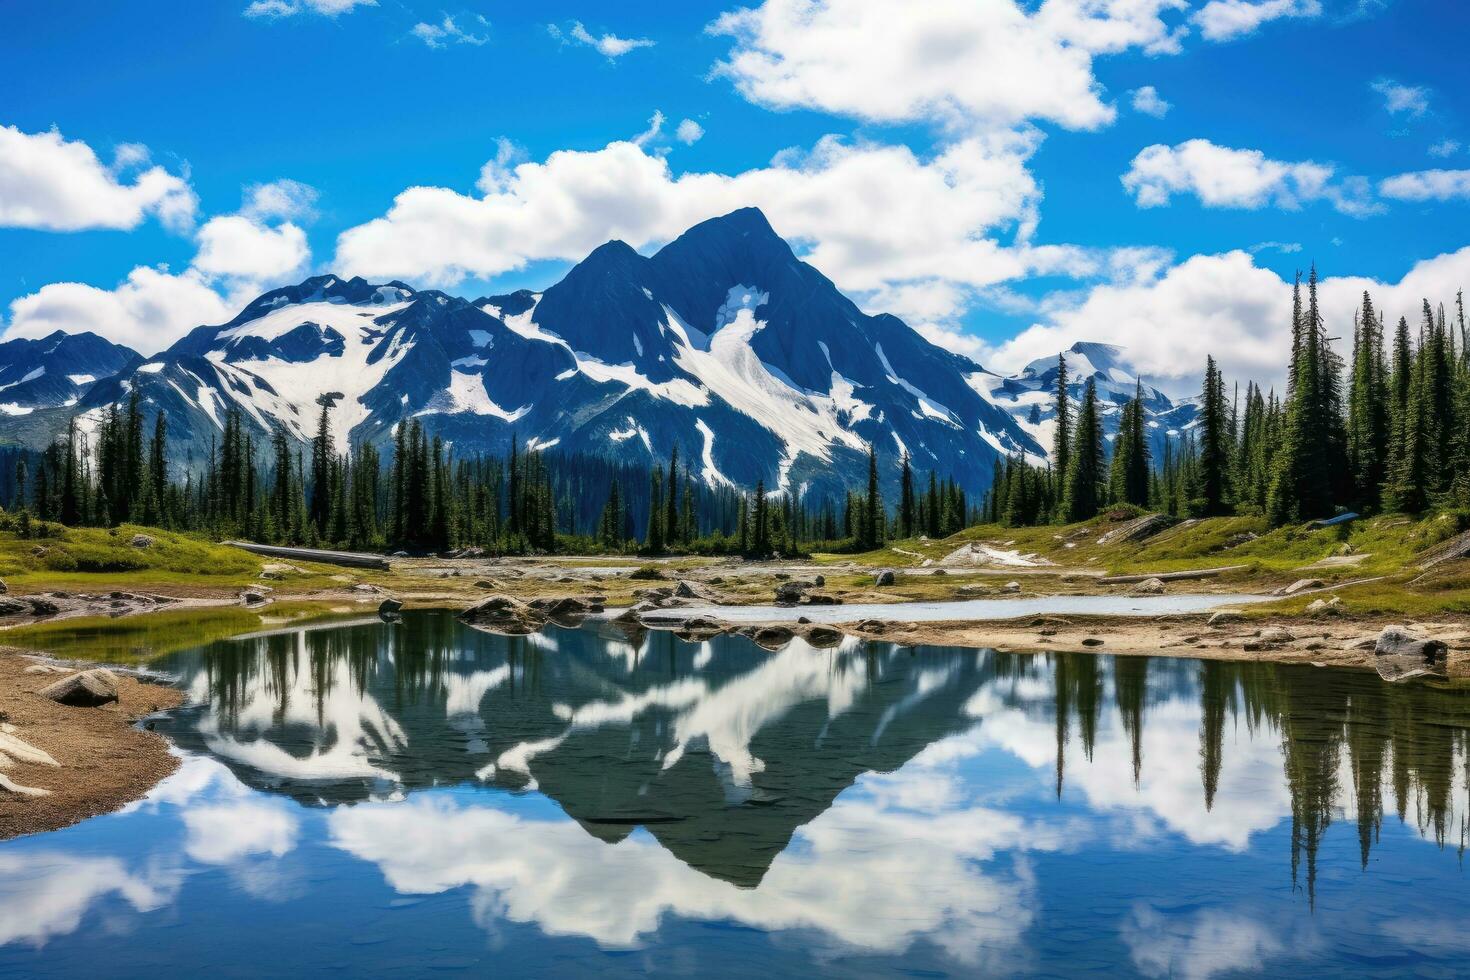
253	597
884	576
13	607
1011	587
820	582
142	541
1149	586
1137	529
85	689
820	599
42	607
693	590
790	593
389	607
1400	655
1300	585
566	608
822	636
1325	607
504	614
1275	635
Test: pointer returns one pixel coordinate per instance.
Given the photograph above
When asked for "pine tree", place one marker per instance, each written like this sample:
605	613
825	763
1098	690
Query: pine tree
906	511
873	509
1085	461
1214	459
1061	441
1368	415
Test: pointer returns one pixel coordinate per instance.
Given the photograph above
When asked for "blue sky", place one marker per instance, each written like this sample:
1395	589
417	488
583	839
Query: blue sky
977	167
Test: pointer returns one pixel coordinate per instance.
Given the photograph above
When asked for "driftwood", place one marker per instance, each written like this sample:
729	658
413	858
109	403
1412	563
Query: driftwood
351	559
1169	576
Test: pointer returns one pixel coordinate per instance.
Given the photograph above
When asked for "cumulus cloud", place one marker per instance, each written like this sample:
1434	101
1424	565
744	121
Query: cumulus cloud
1428	185
150	309
1399	99
955	62
1147	101
609	46
238	256
448	31
1225	20
55	184
689	132
274	9
653	132
1222	305
906	218
1225	177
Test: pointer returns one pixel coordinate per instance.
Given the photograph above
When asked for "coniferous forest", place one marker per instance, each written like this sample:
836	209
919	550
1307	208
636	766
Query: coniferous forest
1386	429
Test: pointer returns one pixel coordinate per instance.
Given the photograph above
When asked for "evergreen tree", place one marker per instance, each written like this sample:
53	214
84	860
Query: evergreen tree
1085	461
1214	459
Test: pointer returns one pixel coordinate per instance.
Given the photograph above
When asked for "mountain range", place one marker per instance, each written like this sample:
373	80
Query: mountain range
723	342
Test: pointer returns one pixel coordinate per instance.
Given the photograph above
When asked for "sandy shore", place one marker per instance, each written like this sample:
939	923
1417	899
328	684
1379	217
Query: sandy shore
105	762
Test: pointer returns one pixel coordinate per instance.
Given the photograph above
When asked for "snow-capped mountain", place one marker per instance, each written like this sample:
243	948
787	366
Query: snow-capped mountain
56	370
1030	396
723	343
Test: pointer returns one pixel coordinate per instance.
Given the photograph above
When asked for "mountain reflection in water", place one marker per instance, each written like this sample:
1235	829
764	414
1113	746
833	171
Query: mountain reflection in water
929	808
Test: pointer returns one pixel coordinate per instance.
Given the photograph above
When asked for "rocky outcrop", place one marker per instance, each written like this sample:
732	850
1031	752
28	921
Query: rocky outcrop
1137	529
1401	656
504	614
884	576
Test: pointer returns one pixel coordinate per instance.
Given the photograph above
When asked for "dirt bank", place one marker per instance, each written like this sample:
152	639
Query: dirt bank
105	762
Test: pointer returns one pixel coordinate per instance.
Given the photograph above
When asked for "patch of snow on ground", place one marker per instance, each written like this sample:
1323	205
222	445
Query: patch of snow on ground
468	362
81	379
633	429
10	408
152	367
534	444
466	393
927	405
979	553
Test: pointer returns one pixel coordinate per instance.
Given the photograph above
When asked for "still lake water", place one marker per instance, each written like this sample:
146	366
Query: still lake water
406	798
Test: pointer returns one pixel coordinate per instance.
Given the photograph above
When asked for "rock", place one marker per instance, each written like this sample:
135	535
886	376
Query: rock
938	571
45	669
504	614
647	573
1137	529
820	599
691	590
86	689
823	636
1011	587
142	541
4	588
803	620
366	588
772	637
566	608
389	607
820	582
487	583
1400	655
1300	585
1149	586
42	607
21	751
253	597
1325	607
1275	636
1092	641
12	607
790	593
1219	619
1243	537
885	576
872	626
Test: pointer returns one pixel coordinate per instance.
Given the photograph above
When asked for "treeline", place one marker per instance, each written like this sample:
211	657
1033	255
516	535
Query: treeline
1388	430
424	499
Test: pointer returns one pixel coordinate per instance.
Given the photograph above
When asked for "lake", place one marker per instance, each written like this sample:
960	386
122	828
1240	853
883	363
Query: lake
418	796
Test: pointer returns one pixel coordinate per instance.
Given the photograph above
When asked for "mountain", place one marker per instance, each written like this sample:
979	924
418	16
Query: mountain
56	370
723	343
1030	396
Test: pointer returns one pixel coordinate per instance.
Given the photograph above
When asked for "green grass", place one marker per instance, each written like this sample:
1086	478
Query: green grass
138	639
109	551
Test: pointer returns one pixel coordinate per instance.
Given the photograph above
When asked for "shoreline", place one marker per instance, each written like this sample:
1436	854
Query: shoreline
105	760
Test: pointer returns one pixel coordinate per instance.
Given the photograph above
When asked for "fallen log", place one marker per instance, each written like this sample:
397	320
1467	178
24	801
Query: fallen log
1170	576
350	559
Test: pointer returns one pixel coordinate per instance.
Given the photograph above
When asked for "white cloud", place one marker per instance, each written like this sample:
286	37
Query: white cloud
1427	185
1224	20
689	132
148	311
51	183
1445	148
1225	177
1285	248
654	130
272	9
1203	944
1147	101
906	218
609	46
448	32
1412	100
238	256
956	62
1222	305
237	247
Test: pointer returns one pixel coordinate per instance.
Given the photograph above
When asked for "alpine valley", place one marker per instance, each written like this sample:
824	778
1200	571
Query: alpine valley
723	343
